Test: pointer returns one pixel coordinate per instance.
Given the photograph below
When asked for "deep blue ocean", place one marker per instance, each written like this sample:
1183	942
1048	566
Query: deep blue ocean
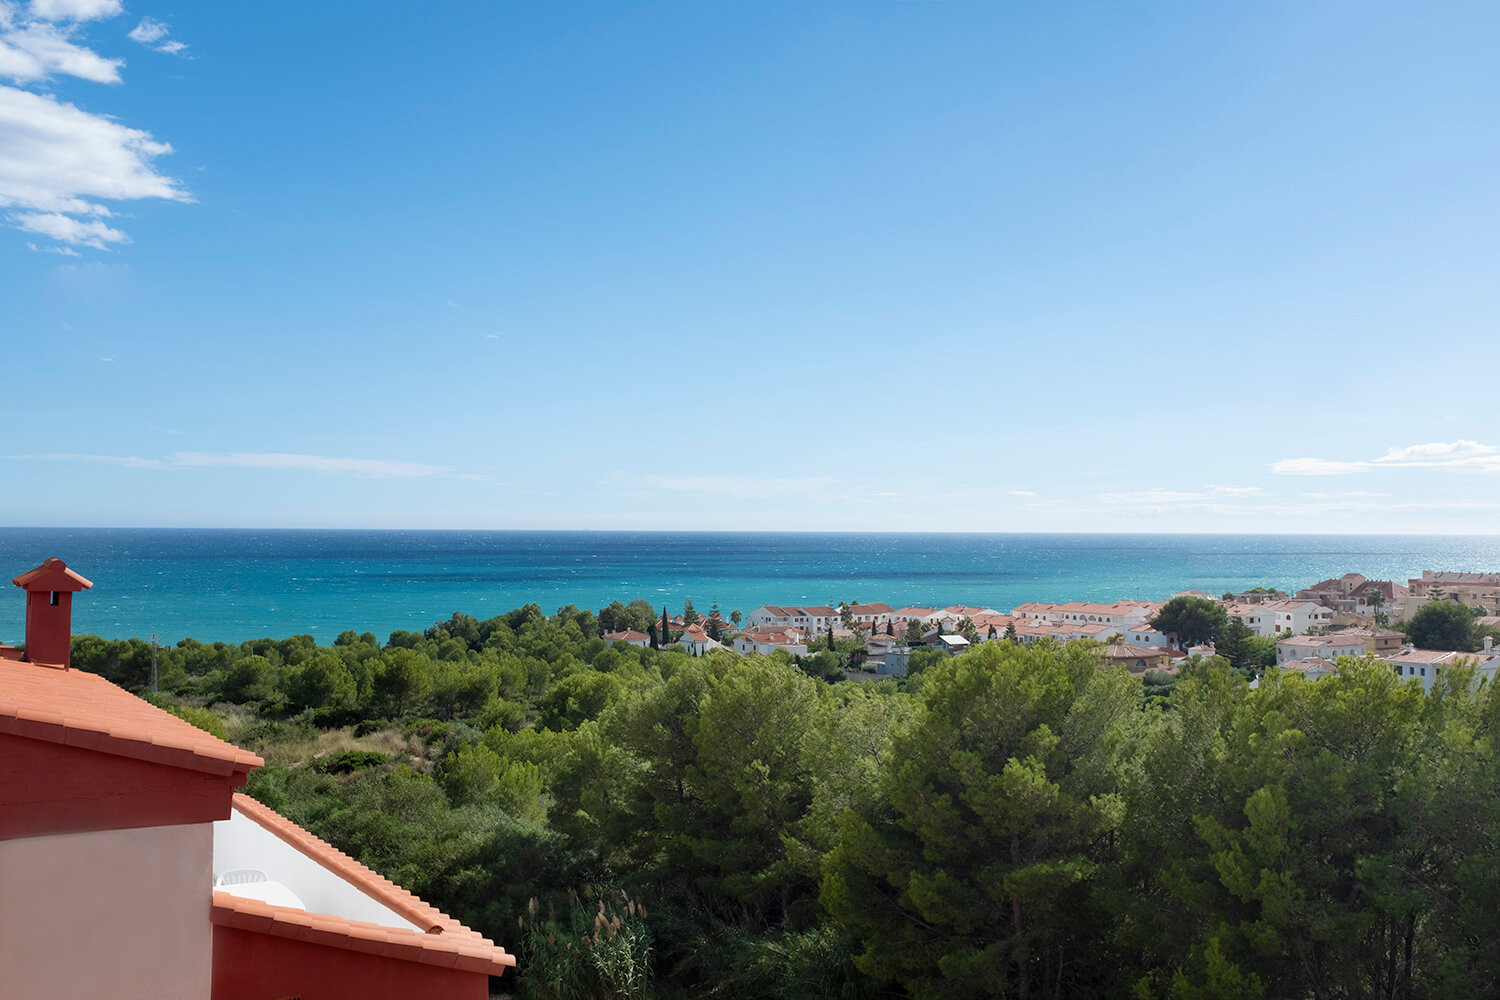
234	585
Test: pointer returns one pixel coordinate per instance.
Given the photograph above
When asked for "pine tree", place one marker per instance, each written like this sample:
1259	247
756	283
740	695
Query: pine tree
715	627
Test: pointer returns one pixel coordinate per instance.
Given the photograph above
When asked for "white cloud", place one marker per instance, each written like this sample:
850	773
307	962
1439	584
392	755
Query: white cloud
38	51
64	251
1461	452
744	487
1023	493
151	31
148	31
57	160
69	230
1438	454
369	468
125	461
55	157
1316	467
75	10
1158	497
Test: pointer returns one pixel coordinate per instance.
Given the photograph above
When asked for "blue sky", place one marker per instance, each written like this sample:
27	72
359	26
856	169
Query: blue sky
873	266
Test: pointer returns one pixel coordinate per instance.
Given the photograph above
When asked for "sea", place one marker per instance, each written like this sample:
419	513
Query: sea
236	584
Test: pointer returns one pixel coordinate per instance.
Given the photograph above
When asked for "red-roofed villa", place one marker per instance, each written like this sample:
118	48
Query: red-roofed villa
129	866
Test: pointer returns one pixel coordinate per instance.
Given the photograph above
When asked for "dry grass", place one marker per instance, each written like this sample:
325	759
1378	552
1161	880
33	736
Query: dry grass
332	742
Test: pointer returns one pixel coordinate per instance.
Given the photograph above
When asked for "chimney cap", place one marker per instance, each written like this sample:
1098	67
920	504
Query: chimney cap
52	574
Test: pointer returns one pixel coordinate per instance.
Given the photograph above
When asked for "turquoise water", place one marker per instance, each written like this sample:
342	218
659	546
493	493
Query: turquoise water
234	585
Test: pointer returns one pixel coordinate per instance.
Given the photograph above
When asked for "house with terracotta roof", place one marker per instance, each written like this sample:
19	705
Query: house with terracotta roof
768	639
629	635
1467	589
877	613
129	866
1328	647
1136	659
1293	616
697	641
812	618
1427	665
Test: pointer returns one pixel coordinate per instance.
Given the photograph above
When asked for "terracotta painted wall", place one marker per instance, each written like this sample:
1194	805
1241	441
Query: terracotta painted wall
250	966
51	788
113	913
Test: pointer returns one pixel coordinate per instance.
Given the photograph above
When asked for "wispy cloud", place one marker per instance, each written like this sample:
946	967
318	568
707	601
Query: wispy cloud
64	251
58	163
1460	454
37	50
75	10
148	31
88	233
368	468
1315	467
154	33
365	468
745	487
1157	497
123	461
1022	493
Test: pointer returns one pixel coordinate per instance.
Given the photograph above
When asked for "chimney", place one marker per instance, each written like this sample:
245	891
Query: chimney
49	611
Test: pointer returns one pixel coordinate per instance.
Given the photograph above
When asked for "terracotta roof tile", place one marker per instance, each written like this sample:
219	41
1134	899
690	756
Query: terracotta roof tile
85	710
408	906
444	950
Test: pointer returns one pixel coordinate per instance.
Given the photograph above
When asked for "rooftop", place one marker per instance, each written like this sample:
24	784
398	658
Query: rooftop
81	709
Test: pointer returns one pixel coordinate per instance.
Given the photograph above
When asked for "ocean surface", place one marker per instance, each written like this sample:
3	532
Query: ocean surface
234	585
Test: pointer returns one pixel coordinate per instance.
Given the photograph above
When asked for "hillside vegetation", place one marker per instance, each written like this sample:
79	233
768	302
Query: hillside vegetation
1014	822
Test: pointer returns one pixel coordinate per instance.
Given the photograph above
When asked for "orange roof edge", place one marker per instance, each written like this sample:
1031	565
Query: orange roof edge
356	935
405	904
52	574
81	709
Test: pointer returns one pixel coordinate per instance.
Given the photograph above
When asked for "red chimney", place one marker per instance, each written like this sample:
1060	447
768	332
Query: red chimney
49	610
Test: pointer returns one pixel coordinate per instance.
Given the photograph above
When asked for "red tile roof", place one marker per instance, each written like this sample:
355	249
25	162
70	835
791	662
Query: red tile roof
82	709
625	636
385	892
52	574
444	950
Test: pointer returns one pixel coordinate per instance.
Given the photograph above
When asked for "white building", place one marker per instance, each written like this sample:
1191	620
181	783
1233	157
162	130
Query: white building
768	640
1427	665
1328	647
1293	616
696	641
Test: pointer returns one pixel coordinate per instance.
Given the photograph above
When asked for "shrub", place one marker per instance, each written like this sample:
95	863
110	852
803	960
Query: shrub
590	952
348	762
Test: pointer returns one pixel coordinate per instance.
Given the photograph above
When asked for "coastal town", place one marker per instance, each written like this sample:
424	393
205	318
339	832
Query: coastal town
1348	615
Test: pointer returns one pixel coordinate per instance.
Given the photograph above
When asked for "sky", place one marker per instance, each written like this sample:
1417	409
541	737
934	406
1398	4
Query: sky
909	266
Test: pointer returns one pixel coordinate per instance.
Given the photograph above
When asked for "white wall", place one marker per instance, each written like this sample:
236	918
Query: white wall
112	913
240	842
